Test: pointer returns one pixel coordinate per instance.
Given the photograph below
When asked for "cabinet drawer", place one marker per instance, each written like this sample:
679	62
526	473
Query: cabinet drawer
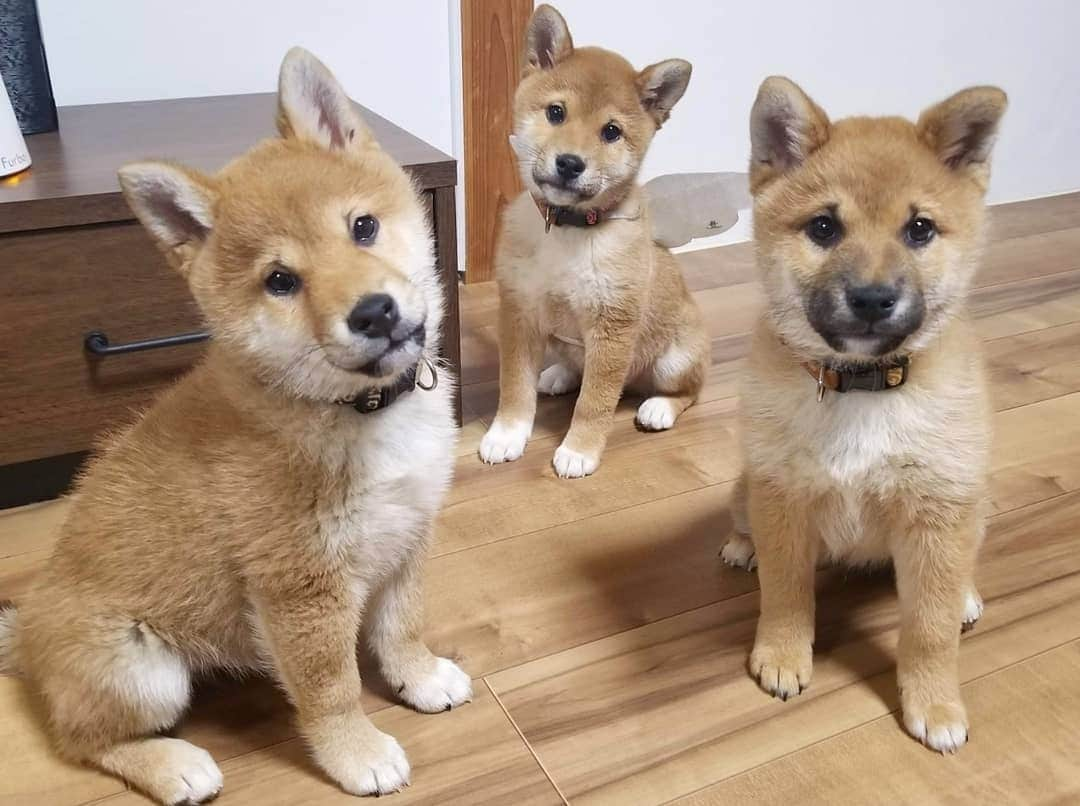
59	285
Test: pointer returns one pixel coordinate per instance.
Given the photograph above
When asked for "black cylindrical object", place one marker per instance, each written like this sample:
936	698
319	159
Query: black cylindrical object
23	66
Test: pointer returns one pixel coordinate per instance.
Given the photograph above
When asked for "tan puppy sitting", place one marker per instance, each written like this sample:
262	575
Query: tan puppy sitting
279	492
864	411
576	263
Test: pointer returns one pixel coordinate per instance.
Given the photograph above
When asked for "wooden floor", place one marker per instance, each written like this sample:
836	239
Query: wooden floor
608	642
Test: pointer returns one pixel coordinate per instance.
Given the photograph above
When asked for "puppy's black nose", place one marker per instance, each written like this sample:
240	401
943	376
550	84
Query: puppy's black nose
872	303
374	316
569	166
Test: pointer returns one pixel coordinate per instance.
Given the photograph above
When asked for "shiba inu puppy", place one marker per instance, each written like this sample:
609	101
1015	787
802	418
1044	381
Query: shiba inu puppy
279	500
864	410
576	264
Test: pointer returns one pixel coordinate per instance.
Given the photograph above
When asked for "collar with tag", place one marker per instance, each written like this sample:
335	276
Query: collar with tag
554	215
569	217
874	378
376	398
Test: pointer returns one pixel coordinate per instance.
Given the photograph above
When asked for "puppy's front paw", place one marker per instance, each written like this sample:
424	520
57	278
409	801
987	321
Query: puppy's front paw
782	669
503	442
570	464
364	760
940	726
558	379
739	552
439	687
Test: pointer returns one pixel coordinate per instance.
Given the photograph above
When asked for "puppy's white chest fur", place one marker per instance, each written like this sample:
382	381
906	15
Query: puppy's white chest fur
572	265
857	440
387	475
575	266
859	453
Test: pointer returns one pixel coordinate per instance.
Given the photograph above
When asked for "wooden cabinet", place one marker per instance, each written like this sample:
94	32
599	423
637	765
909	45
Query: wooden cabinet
60	285
73	261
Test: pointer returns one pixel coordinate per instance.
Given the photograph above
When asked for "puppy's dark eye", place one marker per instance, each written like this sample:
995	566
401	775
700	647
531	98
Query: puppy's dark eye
364	230
824	230
556	114
610	133
919	231
282	283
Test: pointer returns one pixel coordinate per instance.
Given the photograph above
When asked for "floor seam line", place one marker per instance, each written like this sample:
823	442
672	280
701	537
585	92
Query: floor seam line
526	742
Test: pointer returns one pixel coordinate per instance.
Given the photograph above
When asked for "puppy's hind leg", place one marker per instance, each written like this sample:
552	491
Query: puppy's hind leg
119	687
973	603
394	625
973	609
676	380
739	550
559	379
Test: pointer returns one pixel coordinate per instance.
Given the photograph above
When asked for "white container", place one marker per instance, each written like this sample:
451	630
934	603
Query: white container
14	155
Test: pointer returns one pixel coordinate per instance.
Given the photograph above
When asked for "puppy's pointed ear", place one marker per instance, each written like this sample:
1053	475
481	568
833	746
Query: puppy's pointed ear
661	85
547	39
785	128
312	106
174	204
962	129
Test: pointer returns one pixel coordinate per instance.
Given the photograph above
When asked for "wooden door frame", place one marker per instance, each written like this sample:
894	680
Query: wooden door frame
492	36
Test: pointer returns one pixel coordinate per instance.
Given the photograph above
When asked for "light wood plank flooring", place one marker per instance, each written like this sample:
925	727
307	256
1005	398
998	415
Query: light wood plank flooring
608	642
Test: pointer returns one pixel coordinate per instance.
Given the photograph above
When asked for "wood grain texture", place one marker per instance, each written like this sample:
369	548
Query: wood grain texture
62	284
616	641
492	36
660	711
1030	704
73	179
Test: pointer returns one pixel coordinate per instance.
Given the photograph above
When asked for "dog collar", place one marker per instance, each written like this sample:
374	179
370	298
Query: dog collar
569	217
875	378
375	398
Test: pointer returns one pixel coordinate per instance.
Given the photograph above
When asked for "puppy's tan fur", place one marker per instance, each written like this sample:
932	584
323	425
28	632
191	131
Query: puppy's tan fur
868	476
248	521
609	301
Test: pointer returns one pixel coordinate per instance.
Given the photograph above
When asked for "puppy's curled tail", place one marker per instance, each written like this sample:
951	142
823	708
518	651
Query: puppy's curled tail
9	637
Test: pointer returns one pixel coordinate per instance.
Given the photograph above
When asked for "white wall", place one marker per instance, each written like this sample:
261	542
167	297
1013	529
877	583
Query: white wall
393	57
402	59
858	57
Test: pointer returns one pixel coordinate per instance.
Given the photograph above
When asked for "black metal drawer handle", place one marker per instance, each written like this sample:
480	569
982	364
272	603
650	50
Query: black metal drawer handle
97	343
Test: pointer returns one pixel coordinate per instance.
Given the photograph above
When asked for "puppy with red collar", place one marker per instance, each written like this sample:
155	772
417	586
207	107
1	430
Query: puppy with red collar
577	267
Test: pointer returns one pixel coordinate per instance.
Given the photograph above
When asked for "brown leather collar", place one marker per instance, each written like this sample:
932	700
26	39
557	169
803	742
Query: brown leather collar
569	217
875	378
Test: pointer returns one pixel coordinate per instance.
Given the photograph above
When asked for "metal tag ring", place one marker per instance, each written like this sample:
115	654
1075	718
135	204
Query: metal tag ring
434	375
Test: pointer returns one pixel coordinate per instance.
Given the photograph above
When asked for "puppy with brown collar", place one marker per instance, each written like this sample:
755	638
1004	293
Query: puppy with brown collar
279	500
864	410
576	263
